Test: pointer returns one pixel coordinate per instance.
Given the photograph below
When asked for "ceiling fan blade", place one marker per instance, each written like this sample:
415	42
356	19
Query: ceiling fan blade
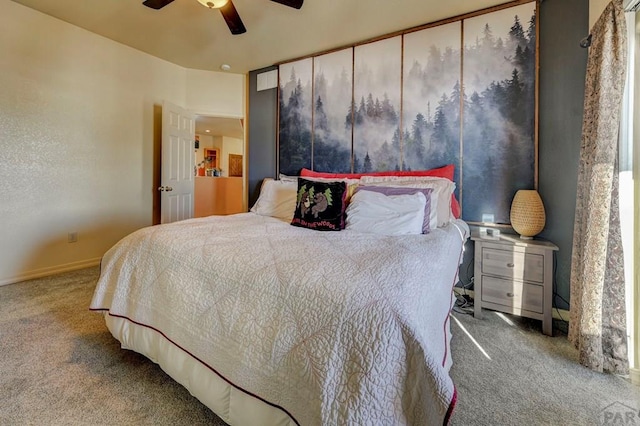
297	4
156	4
231	17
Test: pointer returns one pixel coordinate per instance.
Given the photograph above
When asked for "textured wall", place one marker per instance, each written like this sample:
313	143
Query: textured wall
215	93
78	124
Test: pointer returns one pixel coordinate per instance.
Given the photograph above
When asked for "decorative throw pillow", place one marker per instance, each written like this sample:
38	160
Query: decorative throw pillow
320	205
430	220
352	184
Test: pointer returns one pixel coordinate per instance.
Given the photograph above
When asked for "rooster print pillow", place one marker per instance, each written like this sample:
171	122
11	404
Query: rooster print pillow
320	205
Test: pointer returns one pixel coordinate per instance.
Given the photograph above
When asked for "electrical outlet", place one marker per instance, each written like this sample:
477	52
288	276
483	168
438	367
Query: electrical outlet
72	237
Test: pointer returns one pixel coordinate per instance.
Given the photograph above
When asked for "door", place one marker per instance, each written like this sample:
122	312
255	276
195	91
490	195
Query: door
178	161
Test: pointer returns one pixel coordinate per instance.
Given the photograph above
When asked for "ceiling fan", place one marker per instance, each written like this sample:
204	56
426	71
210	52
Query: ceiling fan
228	10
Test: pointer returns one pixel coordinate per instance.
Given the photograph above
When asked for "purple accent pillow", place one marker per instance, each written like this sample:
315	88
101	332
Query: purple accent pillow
390	190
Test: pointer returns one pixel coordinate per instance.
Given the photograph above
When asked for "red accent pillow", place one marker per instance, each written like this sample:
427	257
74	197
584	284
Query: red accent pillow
443	172
455	207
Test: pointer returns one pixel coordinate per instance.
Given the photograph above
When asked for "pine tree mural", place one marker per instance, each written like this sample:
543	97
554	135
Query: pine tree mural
491	118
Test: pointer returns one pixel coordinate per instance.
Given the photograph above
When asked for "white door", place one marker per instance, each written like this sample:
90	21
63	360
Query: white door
178	160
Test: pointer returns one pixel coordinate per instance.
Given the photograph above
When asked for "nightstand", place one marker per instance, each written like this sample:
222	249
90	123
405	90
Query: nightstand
515	276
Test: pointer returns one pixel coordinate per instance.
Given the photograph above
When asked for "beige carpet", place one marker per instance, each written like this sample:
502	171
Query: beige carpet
59	365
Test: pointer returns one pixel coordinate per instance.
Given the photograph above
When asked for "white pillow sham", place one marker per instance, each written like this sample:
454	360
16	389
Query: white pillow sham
431	211
277	199
442	188
376	213
349	181
288	178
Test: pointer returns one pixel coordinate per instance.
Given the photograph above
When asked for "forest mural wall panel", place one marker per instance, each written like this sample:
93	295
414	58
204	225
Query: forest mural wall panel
376	94
461	93
431	107
295	116
332	93
499	110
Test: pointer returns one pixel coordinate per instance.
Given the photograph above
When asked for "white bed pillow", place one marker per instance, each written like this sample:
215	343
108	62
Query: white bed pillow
442	188
348	181
376	213
288	178
277	199
430	210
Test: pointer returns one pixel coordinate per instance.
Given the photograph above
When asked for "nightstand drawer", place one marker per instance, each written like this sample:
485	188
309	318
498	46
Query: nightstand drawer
513	264
512	294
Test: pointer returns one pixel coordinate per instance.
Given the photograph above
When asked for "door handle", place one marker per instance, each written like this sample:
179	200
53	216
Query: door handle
165	188
161	188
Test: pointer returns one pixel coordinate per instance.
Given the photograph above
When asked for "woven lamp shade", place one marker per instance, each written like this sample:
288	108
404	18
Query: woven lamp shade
527	213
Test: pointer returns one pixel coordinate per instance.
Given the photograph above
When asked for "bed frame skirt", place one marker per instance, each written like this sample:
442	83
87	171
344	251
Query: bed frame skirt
231	404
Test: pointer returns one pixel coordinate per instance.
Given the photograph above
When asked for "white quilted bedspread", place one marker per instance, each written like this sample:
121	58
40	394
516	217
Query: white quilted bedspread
336	328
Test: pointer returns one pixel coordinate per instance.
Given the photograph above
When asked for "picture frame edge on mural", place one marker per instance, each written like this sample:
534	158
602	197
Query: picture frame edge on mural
514	146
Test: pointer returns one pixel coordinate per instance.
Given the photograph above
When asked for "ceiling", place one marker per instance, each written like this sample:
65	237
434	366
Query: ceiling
216	126
190	35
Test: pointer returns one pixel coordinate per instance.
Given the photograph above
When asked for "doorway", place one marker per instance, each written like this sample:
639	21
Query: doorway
219	169
218	127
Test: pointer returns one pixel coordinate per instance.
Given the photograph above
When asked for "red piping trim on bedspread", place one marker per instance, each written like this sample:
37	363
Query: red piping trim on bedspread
454	399
201	362
447	320
447	416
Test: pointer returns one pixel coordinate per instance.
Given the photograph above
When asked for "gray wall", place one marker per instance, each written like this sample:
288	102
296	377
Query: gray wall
263	114
563	66
563	23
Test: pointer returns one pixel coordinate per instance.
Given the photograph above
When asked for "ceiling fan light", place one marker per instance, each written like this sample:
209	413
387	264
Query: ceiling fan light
213	4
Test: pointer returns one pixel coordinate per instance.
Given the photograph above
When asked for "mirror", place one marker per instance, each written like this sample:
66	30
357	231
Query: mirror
219	166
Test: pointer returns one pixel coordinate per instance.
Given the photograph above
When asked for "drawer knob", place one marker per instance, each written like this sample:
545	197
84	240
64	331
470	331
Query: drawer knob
510	294
510	265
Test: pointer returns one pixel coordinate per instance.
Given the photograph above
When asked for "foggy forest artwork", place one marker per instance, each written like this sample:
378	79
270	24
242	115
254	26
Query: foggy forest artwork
431	103
295	109
499	110
376	108
403	103
333	82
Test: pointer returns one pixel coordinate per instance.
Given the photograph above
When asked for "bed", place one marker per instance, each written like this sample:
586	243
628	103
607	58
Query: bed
272	324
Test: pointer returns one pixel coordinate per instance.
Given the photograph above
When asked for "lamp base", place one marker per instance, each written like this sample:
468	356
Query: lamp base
522	237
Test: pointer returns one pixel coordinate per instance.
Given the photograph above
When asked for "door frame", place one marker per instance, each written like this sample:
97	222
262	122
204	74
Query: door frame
157	156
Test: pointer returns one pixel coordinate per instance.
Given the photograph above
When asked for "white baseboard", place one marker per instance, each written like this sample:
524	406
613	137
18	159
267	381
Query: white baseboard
559	314
52	270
